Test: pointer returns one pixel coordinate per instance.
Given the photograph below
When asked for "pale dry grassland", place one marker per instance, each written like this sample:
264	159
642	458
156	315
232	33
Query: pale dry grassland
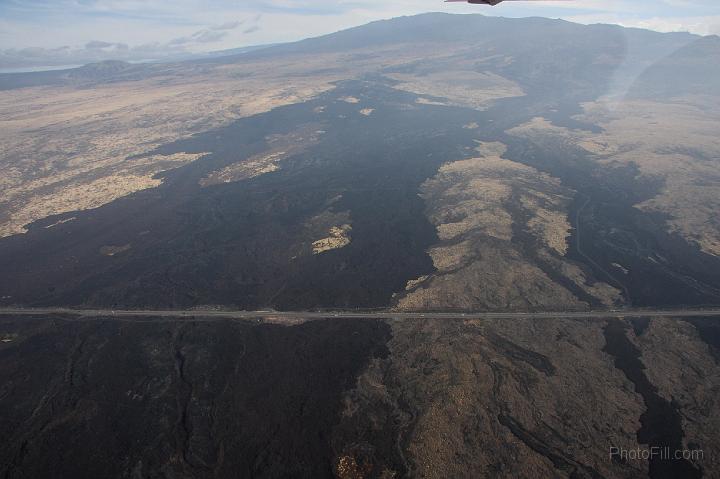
676	141
281	148
460	88
81	189
333	228
477	205
456	77
338	237
66	148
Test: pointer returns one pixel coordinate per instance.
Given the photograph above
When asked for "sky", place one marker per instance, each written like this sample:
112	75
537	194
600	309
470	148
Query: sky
38	33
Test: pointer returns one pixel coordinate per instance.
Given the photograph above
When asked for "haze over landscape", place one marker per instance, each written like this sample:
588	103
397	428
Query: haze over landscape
386	188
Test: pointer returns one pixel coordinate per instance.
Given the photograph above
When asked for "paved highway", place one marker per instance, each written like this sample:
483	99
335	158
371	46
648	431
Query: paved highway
212	315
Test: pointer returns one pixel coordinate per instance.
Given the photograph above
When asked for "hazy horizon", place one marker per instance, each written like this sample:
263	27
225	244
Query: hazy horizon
40	33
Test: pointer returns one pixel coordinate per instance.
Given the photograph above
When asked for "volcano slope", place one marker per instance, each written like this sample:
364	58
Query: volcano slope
425	163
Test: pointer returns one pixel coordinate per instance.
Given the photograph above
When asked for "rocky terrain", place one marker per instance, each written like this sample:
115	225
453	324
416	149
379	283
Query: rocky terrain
356	398
482	208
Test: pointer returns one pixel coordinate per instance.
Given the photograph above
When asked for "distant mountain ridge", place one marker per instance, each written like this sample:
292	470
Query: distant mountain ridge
104	69
450	28
511	35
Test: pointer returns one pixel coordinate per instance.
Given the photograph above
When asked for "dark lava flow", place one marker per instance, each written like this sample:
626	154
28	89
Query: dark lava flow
247	244
709	331
203	400
661	421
